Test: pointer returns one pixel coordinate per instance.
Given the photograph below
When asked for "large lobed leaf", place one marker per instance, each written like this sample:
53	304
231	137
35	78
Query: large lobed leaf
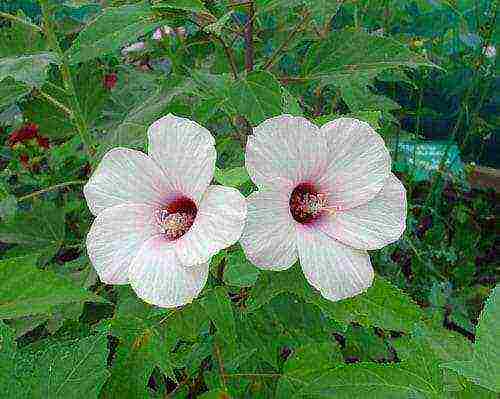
484	367
26	290
382	305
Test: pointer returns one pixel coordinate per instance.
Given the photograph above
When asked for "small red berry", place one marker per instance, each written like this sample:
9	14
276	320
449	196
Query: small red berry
43	142
110	80
24	159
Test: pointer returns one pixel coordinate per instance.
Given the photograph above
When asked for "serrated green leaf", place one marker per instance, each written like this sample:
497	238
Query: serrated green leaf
131	132
484	367
55	123
234	177
349	54
41	229
218	307
111	30
381	305
256	97
71	370
26	290
29	69
21	38
304	366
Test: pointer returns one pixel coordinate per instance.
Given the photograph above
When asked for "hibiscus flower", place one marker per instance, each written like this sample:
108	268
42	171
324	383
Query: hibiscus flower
159	221
325	196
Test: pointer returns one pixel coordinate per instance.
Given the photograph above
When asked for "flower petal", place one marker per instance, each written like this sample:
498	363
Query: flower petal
373	225
268	239
116	236
285	150
218	224
157	276
186	153
336	270
359	162
125	176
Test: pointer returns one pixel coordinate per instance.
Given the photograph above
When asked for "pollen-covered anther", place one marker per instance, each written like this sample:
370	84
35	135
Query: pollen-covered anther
307	204
174	225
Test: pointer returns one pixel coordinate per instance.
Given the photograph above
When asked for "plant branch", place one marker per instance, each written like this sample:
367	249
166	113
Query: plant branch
279	51
248	35
51	188
77	119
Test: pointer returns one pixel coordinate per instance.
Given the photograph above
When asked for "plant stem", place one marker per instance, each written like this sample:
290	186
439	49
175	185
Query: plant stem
248	35
229	56
278	53
77	119
51	188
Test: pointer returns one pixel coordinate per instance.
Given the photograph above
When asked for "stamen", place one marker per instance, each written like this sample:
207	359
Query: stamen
307	204
176	218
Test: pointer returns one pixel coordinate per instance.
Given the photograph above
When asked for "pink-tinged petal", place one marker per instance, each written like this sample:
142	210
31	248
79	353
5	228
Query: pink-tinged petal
359	162
285	150
336	270
373	225
158	277
116	236
268	239
125	176
186	153
218	224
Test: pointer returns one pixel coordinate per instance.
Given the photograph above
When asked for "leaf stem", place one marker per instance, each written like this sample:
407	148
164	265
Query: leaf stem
248	35
278	53
51	188
77	115
14	18
53	101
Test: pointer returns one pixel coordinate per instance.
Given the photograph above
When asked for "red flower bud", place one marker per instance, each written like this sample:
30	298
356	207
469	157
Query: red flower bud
26	132
110	80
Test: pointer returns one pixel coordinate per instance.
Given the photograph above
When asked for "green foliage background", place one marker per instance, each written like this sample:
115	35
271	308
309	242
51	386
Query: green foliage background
418	71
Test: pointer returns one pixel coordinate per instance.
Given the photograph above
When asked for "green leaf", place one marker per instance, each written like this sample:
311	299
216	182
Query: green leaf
55	123
354	54
186	5
218	308
41	229
484	367
322	10
256	97
111	30
382	305
142	346
11	385
234	177
131	132
71	370
304	366
214	394
239	271
29	69
26	290
21	38
11	91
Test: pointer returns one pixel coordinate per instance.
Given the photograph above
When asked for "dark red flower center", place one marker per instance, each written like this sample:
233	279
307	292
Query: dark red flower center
177	217
307	203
